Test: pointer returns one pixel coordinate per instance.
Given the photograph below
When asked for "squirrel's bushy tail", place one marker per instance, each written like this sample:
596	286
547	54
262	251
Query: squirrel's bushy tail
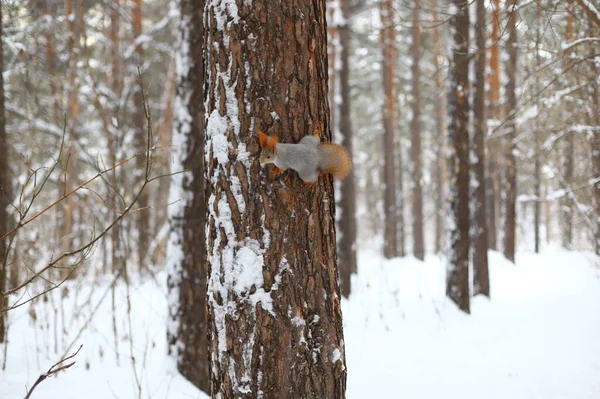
335	160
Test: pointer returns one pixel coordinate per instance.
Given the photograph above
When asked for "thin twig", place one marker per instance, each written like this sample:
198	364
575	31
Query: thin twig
56	367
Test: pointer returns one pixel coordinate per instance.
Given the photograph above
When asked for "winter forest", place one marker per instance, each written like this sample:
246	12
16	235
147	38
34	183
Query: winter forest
300	199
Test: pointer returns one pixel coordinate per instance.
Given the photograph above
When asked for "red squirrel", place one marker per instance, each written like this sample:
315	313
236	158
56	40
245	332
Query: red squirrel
309	157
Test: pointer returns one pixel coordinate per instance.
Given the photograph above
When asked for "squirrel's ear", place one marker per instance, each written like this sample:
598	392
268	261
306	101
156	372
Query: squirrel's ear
263	139
272	142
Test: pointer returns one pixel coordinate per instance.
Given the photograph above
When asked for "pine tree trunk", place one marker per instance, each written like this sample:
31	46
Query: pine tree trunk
481	280
567	205
440	141
388	36
347	204
493	160
274	312
415	132
139	122
457	279
5	193
188	270
510	223
537	173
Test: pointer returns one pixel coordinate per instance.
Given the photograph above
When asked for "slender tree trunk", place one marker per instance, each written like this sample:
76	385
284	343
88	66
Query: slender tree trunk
593	92
275	320
493	147
569	153
510	223
5	192
75	13
440	141
388	36
415	133
139	121
457	279
537	173
481	279
188	337
117	258
347	203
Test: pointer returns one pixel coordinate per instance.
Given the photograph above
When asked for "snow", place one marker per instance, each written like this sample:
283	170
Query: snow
536	338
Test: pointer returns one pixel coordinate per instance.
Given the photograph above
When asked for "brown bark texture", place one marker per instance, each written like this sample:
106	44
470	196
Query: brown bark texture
388	36
139	122
275	320
457	278
510	189
481	280
347	202
5	193
415	137
188	341
592	14
493	161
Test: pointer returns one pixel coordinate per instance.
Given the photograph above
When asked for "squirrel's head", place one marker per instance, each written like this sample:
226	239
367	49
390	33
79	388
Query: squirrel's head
268	154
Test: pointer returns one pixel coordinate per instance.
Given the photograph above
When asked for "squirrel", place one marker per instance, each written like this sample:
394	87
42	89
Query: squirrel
309	157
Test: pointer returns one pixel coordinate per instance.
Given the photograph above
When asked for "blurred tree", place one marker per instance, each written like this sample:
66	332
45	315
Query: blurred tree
415	134
457	279
390	58
510	221
188	334
481	280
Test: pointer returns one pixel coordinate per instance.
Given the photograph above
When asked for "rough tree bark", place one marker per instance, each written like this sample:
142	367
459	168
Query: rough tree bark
481	279
493	159
439	166
139	124
510	222
388	36
457	278
187	334
415	135
5	193
274	312
342	128
593	92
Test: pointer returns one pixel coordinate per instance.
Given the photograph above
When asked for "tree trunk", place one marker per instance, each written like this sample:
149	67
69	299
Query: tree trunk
440	142
139	121
388	36
457	279
275	320
481	279
347	202
510	222
537	171
5	193
567	205
187	242
594	139
415	133
493	175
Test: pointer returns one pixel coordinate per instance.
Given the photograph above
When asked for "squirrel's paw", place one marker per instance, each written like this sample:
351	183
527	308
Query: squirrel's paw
277	172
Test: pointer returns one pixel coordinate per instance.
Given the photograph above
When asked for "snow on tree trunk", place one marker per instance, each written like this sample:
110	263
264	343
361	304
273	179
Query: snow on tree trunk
275	320
457	278
140	137
481	282
186	251
5	194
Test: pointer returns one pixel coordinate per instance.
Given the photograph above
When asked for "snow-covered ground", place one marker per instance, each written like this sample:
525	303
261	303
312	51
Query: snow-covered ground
539	336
